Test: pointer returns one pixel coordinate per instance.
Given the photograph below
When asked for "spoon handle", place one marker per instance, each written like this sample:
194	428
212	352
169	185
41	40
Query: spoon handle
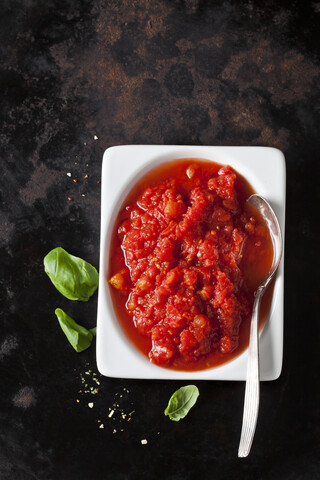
252	393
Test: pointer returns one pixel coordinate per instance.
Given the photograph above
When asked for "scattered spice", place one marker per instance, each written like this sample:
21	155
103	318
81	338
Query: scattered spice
69	198
92	389
75	180
121	408
86	176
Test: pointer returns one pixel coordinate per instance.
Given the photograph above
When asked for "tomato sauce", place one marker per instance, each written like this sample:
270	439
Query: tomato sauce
187	255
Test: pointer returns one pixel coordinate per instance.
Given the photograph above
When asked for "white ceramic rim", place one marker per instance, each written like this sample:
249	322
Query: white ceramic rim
264	168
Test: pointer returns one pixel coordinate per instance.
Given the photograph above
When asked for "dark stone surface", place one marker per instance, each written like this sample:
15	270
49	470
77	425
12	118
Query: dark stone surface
157	72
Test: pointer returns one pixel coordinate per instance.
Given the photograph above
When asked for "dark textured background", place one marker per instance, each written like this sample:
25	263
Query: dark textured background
157	72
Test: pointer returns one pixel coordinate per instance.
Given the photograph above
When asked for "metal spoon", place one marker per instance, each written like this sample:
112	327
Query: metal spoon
252	392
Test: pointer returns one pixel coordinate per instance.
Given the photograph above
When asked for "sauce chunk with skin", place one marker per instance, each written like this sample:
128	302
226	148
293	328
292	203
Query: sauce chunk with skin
187	255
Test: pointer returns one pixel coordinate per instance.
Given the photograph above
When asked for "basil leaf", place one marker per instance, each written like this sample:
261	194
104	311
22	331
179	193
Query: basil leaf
93	331
181	402
79	337
75	278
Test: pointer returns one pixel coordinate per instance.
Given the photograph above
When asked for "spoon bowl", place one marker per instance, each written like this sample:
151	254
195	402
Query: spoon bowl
274	228
252	392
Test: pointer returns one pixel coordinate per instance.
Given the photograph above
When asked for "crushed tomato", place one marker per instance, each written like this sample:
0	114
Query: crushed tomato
187	255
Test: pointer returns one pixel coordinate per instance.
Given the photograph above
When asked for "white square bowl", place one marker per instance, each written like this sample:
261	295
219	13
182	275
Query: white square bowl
122	166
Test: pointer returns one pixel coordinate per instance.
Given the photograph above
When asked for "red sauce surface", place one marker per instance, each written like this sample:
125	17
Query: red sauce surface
188	253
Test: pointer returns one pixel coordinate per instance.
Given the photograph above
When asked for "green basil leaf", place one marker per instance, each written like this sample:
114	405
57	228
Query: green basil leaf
181	402
79	337
93	331
75	278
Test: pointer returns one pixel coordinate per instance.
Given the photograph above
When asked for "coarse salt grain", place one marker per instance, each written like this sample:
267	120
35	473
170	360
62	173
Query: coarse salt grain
95	137
90	405
69	174
144	442
111	413
101	426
